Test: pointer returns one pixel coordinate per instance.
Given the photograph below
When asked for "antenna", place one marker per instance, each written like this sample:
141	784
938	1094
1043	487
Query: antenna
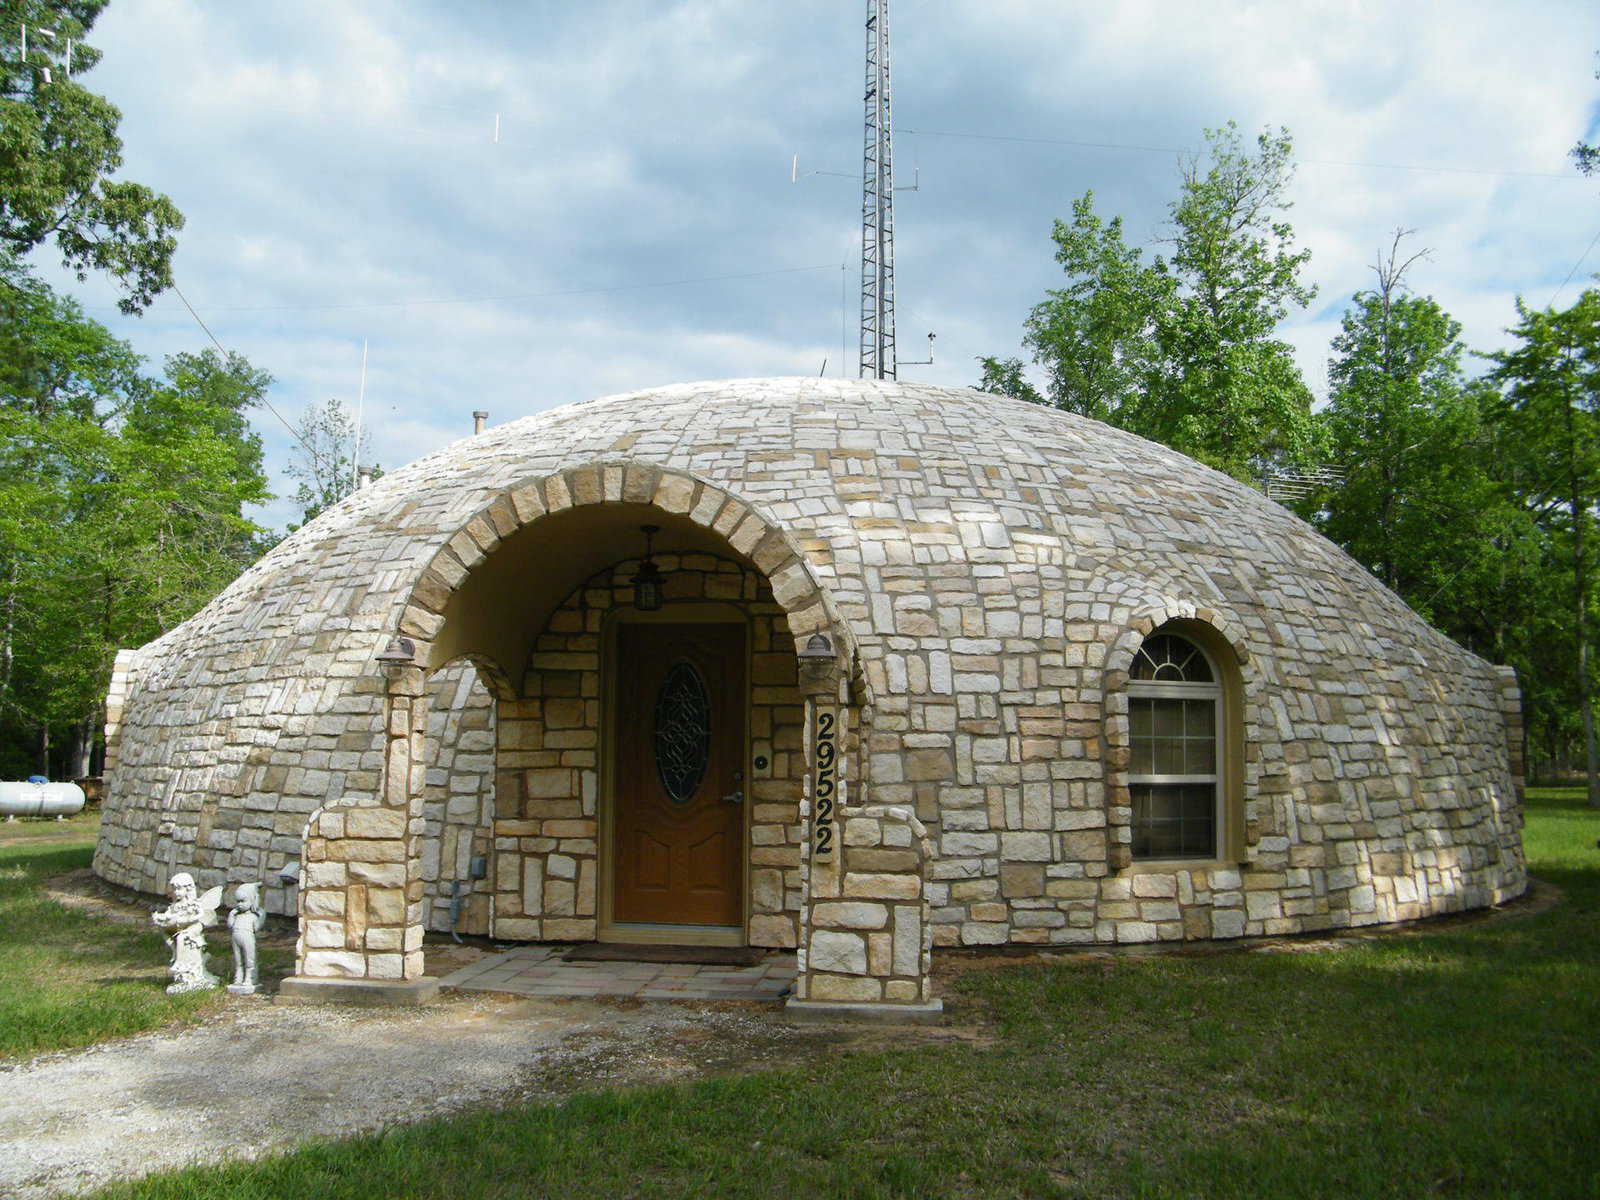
877	205
1290	483
923	362
50	35
361	398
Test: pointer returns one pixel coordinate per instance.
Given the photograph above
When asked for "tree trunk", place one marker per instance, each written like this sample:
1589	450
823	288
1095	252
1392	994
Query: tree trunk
82	748
8	609
42	762
1580	623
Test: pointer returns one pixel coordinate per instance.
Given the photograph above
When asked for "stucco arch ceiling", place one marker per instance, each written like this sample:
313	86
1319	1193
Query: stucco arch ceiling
502	606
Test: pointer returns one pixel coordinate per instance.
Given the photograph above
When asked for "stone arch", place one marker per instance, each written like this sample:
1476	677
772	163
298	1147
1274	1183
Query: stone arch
1221	637
497	576
741	524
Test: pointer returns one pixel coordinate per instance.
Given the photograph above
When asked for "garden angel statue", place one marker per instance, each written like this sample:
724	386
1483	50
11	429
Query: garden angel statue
188	916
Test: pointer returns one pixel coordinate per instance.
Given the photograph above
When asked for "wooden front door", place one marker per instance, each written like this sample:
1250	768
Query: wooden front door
679	744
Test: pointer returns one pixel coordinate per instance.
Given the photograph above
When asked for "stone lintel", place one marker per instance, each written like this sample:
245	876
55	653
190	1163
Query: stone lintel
301	989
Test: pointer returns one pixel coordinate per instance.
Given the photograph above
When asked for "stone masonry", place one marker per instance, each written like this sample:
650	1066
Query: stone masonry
986	570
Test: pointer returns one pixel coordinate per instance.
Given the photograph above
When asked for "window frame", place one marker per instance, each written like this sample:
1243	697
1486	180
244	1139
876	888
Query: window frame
1220	691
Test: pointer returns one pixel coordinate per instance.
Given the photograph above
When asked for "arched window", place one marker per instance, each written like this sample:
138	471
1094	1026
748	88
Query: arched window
1175	727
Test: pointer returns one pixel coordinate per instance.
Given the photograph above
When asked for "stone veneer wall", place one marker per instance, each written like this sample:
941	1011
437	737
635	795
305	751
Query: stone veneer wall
546	832
458	801
988	560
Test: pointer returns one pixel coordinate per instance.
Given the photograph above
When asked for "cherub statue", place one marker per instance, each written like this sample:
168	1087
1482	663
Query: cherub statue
243	921
188	916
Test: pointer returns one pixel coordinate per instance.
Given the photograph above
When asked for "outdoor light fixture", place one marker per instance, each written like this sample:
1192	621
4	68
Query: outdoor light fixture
818	648
647	583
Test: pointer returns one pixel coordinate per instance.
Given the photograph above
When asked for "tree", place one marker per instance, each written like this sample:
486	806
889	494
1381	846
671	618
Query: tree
58	152
324	457
1552	405
121	509
1181	349
1586	156
1003	377
1405	429
1098	337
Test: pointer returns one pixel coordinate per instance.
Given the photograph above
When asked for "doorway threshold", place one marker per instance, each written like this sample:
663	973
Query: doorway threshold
662	952
540	970
660	933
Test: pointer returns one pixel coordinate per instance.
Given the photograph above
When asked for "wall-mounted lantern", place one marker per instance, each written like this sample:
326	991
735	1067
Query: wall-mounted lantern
647	592
399	652
818	648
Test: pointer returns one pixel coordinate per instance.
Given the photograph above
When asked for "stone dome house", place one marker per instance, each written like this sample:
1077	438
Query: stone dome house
852	667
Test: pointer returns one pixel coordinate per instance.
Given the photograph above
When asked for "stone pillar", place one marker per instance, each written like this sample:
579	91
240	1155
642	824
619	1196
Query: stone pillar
360	903
865	937
1511	711
116	697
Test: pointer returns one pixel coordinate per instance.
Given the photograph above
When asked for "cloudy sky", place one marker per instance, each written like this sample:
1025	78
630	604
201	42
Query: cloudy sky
635	224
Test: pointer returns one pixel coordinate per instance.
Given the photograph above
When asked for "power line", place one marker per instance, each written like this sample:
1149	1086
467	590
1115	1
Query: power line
1319	162
584	291
293	432
1574	271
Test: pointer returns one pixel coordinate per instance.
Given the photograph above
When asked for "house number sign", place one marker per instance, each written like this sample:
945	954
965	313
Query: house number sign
824	783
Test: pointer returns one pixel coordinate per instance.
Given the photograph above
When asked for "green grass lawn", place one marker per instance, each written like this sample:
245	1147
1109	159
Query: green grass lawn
74	828
1457	1062
68	978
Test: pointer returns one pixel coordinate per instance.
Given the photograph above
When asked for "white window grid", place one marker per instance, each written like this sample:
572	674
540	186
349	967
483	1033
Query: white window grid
1153	689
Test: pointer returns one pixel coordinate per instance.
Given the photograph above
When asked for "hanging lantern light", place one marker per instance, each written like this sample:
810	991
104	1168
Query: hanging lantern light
647	593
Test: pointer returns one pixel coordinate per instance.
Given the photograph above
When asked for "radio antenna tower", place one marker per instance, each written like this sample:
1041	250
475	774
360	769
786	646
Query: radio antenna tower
877	206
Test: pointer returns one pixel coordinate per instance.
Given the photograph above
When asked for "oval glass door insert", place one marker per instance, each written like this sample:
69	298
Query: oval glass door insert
683	732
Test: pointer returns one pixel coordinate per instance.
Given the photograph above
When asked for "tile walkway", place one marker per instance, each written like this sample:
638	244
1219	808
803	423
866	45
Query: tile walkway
539	971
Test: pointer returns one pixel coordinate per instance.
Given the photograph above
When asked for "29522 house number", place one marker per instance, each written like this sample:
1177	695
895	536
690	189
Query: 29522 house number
824	784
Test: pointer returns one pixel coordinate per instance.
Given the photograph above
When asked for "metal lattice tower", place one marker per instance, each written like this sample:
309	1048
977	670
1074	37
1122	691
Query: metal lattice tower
877	206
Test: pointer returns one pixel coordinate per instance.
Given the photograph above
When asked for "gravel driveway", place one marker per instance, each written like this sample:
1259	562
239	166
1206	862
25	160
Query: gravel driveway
260	1076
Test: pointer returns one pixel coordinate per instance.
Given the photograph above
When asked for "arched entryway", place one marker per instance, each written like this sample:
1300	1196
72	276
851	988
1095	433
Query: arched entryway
650	774
671	770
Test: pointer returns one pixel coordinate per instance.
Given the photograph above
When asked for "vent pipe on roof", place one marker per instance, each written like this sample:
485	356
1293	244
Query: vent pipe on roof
478	418
363	477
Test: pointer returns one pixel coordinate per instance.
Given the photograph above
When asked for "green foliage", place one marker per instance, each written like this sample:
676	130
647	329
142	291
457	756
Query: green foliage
1098	337
1550	414
1456	494
59	151
1181	349
322	458
121	501
1418	505
1003	377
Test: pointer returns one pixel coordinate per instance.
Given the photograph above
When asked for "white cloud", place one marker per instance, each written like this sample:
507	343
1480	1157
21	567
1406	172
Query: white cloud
330	156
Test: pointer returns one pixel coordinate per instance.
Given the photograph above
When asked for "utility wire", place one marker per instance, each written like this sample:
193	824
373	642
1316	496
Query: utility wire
1320	162
584	291
293	432
1574	271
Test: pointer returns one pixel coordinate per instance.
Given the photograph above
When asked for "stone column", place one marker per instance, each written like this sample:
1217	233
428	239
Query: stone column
360	903
1511	711
865	938
116	697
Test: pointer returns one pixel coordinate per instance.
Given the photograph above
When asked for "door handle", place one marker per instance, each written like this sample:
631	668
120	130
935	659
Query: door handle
734	798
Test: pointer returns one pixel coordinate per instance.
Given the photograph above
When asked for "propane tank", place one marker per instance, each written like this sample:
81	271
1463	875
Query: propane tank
37	798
